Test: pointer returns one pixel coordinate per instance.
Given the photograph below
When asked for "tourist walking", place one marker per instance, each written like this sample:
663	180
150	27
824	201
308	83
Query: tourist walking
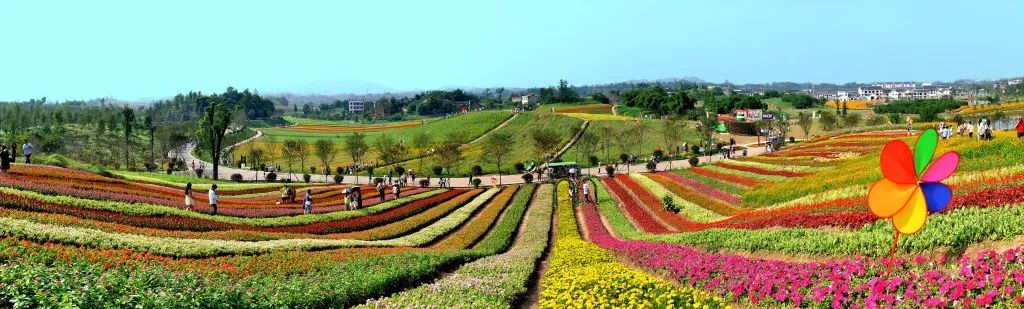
307	202
572	193
396	190
189	201
213	199
380	191
5	160
14	153
27	150
586	192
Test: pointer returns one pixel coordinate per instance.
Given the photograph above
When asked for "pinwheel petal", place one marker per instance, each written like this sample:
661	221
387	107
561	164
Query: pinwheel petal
886	198
912	217
898	164
925	149
936	195
944	166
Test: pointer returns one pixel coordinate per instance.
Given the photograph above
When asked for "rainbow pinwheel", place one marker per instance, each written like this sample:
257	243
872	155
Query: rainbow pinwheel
909	189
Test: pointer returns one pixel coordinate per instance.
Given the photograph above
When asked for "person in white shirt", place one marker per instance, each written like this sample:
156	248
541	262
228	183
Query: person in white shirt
27	150
307	202
213	200
586	192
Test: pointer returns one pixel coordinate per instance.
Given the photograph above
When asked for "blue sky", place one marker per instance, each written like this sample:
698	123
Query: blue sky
145	49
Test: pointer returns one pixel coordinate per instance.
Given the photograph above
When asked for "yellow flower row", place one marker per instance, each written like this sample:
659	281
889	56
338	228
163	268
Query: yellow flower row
583	275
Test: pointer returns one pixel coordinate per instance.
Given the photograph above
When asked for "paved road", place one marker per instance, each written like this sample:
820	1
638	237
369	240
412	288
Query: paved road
225	172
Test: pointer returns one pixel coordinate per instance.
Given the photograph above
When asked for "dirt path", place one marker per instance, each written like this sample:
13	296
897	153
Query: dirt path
572	141
532	297
500	125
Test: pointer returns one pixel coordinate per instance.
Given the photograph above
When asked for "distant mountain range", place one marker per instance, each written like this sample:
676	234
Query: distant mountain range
353	89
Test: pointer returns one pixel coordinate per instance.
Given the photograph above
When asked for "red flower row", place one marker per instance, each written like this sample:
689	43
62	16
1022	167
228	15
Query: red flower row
655	205
644	221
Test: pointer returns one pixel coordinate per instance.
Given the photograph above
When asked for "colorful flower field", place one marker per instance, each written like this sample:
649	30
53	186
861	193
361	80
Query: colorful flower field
74	239
790	229
793	229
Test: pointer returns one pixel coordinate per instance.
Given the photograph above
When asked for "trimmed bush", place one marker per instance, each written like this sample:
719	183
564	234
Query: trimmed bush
306	178
271	177
476	182
528	178
694	161
338	178
236	177
651	166
424	183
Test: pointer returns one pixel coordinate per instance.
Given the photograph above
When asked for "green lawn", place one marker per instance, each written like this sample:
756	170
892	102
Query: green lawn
523	151
653	139
470	126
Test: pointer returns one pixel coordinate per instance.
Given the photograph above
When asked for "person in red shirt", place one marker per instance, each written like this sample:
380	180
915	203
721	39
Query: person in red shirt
1020	128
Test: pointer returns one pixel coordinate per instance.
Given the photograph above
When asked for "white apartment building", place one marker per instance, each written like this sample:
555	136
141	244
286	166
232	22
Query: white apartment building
356	107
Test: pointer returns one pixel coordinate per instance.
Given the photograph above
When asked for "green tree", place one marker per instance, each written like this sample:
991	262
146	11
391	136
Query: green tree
422	142
706	128
876	120
805	122
672	132
291	151
388	150
497	146
356	148
632	141
545	141
213	127
828	121
449	151
565	92
894	118
324	150
852	120
128	115
301	148
256	155
151	129
587	144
